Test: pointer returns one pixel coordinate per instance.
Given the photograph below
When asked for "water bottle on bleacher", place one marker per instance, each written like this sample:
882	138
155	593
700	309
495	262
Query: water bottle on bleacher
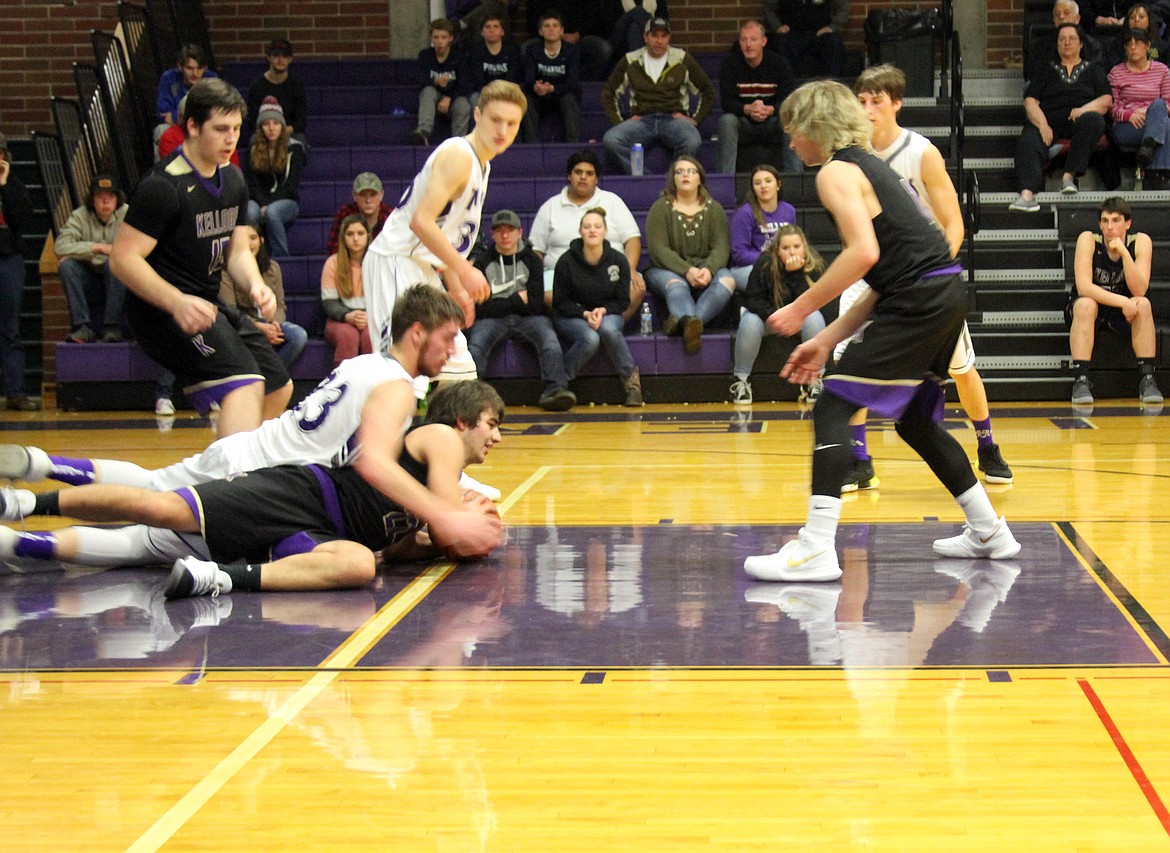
647	320
637	159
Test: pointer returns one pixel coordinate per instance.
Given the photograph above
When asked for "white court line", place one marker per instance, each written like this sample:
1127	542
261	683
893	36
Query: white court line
523	488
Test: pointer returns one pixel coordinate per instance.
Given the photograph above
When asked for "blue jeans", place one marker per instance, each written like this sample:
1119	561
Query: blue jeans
1157	125
84	283
584	343
278	215
486	333
295	339
682	300
736	130
751	335
678	134
11	351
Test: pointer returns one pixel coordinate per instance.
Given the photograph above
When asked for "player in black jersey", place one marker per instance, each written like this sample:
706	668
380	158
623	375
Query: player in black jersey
184	226
917	305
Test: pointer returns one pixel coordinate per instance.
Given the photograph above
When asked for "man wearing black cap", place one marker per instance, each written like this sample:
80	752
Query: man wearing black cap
83	254
15	211
660	80
278	83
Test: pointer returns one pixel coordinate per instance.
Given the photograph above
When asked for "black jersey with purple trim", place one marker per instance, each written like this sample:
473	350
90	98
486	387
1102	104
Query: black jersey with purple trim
191	218
911	243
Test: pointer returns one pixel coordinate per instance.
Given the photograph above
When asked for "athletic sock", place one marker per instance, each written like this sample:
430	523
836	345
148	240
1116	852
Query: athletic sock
976	506
1145	367
859	443
823	515
1080	368
983	432
39	545
68	469
245	577
47	503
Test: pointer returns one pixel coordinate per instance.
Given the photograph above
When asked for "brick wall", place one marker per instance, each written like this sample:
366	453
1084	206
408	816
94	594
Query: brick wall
41	41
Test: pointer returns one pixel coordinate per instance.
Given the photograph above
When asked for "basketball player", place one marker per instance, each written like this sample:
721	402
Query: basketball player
186	224
435	224
292	527
917	305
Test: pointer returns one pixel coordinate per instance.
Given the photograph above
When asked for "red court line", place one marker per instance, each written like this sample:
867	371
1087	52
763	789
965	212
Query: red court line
1127	755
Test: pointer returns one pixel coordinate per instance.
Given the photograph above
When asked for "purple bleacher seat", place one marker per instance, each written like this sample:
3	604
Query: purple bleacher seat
318	198
714	357
309	235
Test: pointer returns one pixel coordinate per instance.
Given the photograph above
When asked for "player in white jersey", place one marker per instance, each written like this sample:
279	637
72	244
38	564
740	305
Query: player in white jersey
880	89
427	238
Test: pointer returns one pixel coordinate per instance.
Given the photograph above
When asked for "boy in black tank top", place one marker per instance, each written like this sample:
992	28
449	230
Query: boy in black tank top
1112	272
917	305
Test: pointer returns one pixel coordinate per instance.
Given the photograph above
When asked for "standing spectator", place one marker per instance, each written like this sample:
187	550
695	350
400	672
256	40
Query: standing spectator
592	290
441	67
756	221
367	200
806	33
83	255
288	339
277	83
342	296
275	164
552	73
175	83
516	309
659	80
493	57
1141	90
752	84
15	212
689	247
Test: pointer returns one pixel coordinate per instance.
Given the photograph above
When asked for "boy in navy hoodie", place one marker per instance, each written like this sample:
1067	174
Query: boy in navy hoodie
442	70
552	74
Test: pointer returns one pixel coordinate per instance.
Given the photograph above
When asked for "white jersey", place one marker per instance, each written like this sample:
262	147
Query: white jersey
459	222
322	429
904	156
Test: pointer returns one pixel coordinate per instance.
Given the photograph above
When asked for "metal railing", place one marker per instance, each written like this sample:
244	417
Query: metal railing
54	178
132	130
76	146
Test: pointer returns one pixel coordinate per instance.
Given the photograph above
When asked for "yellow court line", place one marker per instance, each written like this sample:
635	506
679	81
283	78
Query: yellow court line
521	490
348	654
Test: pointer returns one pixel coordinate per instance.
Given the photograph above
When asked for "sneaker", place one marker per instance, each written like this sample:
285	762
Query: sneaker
814	391
670	327
468	482
741	392
15	462
80	335
861	477
797	561
1082	391
191	577
21	403
1028	205
692	333
112	336
998	545
1148	391
1068	187
991	463
417	137
559	400
1055	150
10	504
164	406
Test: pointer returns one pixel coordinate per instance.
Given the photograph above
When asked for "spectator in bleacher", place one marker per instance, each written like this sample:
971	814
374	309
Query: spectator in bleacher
275	163
1141	90
558	224
755	222
690	245
631	17
752	84
174	135
782	272
367	200
495	56
1139	17
83	254
15	212
278	83
1043	50
175	83
288	339
591	290
1111	291
1067	100
184	226
1104	14
442	67
588	27
552	74
807	34
516	309
342	296
469	16
659	80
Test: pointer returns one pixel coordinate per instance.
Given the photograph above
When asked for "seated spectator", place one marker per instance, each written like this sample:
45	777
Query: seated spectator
755	222
1111	291
1141	90
441	66
1068	100
277	83
174	135
689	247
275	163
807	34
631	17
659	80
588	28
752	84
495	56
469	16
591	290
175	83
784	271
516	309
346	324
288	339
367	201
1042	50
83	262
552	73
16	209
1139	17
1104	15
558	223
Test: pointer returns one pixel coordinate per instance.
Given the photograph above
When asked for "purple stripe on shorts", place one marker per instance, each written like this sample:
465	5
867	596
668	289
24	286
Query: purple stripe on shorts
329	495
187	494
953	269
885	399
298	543
201	396
39	546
